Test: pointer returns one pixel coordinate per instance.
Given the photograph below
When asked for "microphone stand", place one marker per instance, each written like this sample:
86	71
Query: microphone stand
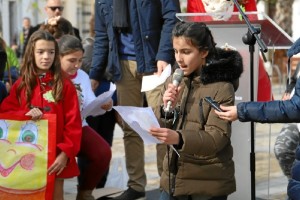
250	39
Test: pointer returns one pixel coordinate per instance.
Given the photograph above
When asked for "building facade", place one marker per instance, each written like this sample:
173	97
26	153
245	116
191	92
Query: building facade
78	12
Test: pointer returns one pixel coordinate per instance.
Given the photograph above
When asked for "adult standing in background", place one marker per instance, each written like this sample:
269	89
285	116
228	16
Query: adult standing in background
104	124
54	8
21	38
133	39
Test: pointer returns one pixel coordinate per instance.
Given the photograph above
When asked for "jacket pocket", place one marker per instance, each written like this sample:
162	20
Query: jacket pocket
195	159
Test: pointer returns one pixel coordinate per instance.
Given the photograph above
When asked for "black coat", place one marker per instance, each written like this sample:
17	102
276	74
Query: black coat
3	60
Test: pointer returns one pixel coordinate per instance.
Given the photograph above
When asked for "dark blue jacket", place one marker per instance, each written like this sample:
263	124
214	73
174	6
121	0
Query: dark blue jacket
272	111
152	22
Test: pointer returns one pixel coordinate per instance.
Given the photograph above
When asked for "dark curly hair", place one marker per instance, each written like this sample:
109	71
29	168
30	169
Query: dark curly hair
62	27
198	34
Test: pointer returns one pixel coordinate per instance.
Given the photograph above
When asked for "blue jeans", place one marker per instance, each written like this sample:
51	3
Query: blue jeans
165	196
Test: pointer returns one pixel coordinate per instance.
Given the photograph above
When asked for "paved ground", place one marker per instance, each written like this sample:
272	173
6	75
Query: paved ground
270	182
118	155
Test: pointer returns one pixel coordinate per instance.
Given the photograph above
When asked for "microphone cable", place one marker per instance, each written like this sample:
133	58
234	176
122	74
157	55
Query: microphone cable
168	158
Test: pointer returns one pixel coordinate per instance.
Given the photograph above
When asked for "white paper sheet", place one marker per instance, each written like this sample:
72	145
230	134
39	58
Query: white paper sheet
94	108
152	81
140	120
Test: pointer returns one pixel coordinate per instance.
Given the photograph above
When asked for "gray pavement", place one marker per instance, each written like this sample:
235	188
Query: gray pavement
270	181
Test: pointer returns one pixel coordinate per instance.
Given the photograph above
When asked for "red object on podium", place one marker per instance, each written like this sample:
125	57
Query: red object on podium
264	83
275	36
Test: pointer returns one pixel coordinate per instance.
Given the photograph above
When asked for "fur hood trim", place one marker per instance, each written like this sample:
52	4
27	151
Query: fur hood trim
227	66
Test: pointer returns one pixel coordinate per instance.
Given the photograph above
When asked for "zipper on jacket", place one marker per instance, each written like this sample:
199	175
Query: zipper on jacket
173	166
185	103
201	115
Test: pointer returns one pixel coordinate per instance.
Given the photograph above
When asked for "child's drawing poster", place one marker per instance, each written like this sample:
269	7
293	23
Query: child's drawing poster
27	149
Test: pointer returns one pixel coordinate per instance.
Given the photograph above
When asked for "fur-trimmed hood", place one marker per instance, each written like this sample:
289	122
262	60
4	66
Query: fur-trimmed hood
226	66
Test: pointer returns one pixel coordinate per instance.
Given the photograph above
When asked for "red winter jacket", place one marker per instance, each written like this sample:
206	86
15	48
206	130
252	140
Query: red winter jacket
68	135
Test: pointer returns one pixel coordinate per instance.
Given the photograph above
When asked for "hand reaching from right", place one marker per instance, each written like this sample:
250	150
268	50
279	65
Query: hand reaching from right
229	113
286	96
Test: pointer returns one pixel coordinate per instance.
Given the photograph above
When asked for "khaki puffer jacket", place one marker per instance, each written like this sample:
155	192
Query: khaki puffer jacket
205	166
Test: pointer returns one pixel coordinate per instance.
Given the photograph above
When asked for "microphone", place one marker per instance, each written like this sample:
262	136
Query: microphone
177	78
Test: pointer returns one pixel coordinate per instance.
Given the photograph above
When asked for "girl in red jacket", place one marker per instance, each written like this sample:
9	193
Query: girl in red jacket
42	88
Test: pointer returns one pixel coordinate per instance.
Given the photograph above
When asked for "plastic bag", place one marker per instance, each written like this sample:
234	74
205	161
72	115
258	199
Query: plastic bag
117	176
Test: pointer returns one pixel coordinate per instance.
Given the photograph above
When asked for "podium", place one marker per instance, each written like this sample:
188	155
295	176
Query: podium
232	32
272	35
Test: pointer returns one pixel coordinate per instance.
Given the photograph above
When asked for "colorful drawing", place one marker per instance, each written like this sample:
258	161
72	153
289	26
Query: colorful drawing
27	148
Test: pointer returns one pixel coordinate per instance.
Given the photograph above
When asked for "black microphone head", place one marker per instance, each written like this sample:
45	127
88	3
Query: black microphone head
178	75
295	48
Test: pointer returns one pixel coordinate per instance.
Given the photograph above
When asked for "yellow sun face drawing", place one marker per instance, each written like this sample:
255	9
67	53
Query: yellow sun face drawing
23	164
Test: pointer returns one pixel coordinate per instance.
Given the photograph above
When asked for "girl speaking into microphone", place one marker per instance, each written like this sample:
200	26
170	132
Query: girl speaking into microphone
202	168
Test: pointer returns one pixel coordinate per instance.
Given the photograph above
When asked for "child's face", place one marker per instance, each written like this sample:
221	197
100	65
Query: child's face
70	63
44	53
188	57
